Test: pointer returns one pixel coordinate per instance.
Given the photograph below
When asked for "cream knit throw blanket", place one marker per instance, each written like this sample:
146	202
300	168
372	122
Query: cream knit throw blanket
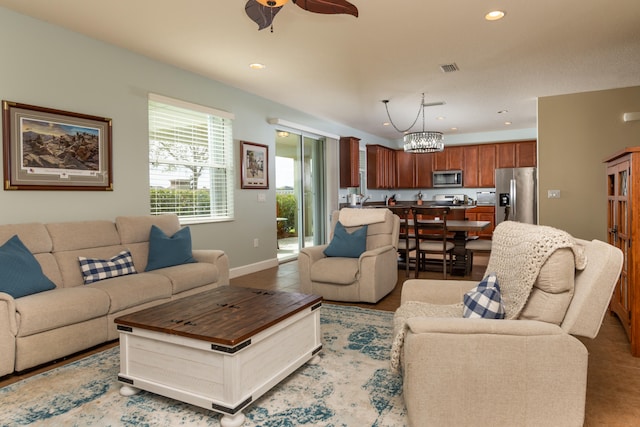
518	252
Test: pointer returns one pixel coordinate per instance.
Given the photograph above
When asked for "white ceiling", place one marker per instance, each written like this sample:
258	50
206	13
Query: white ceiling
340	68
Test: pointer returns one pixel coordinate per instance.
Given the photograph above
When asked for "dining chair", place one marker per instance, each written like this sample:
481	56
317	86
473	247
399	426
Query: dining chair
407	241
475	246
430	228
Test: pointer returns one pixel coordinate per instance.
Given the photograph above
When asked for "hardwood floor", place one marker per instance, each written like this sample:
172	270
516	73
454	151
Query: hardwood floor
613	391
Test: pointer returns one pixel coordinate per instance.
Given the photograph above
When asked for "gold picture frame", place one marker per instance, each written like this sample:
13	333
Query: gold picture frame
48	149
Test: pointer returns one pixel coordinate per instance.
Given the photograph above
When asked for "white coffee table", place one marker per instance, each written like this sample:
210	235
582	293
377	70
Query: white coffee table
220	349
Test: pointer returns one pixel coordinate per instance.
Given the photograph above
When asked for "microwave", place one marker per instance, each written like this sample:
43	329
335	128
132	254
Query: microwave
447	178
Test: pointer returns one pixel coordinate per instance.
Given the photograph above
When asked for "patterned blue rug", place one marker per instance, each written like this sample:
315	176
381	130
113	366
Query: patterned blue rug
347	384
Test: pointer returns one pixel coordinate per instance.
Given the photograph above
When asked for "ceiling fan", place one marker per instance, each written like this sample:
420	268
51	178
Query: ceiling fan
262	12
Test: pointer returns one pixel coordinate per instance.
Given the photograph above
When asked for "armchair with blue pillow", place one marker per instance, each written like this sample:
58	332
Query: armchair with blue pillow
360	262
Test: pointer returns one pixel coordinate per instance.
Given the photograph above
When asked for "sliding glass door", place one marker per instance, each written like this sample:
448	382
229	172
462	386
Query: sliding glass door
300	192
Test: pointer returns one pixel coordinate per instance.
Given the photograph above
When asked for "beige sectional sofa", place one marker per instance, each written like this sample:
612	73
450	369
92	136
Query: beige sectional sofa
48	325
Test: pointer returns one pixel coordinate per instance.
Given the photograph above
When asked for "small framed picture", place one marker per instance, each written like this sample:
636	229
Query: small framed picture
47	149
254	165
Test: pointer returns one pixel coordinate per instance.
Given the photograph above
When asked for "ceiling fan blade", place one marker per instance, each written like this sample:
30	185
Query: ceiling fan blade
261	15
329	7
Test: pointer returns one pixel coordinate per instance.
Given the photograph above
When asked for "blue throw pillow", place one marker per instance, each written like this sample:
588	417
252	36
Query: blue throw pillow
165	251
484	301
347	245
20	272
94	269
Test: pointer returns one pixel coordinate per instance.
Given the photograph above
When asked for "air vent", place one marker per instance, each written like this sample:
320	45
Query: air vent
449	68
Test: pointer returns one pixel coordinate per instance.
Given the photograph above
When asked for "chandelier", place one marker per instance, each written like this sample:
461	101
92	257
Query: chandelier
425	141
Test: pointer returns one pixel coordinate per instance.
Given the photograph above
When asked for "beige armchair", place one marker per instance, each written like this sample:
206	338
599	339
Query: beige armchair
530	371
367	278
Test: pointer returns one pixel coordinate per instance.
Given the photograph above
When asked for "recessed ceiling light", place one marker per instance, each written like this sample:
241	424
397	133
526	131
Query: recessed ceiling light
257	66
454	129
494	15
440	118
507	123
386	124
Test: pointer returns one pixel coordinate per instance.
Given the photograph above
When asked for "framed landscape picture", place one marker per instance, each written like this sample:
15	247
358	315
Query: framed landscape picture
254	165
47	149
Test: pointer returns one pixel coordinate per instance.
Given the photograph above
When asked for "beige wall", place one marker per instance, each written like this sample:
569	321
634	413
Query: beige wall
575	134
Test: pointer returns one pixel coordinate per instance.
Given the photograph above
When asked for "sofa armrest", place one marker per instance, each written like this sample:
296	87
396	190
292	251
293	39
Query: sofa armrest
457	372
216	257
8	332
378	273
306	257
314	253
8	314
377	251
462	326
435	291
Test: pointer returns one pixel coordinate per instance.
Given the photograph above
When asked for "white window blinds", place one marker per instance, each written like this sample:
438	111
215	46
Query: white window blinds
190	160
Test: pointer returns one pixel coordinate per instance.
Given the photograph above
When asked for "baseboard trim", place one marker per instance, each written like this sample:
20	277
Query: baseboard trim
252	268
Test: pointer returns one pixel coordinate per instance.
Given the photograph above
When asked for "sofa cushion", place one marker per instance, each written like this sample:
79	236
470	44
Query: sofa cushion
20	272
345	244
69	236
553	290
94	269
135	229
59	307
34	236
165	251
70	267
189	276
134	289
338	271
484	301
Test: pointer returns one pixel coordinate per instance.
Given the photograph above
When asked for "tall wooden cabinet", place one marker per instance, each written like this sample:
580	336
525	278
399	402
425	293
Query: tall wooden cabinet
349	162
623	230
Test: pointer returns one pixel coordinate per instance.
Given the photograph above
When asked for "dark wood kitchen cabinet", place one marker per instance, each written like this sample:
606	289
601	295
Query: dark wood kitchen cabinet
526	154
451	158
388	168
405	169
516	154
413	170
381	167
349	162
424	170
506	155
470	167
486	165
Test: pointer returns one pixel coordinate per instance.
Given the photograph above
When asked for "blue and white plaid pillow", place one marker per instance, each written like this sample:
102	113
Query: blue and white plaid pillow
484	301
99	269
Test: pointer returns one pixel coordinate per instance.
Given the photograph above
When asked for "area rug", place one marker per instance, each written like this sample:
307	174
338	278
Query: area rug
349	383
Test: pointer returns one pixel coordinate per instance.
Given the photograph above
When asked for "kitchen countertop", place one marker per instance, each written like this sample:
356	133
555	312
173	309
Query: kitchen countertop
426	204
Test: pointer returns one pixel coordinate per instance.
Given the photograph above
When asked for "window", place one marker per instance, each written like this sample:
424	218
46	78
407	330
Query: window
190	160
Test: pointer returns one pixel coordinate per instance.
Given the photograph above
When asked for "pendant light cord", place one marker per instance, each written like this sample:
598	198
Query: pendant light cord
420	110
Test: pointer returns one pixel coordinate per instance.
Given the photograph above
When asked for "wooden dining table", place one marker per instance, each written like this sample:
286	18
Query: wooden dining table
460	229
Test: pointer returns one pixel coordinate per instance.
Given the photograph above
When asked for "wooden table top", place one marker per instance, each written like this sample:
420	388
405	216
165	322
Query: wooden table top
458	224
227	315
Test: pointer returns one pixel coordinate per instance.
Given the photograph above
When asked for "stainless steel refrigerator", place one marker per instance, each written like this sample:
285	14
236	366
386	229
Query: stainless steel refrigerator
516	195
